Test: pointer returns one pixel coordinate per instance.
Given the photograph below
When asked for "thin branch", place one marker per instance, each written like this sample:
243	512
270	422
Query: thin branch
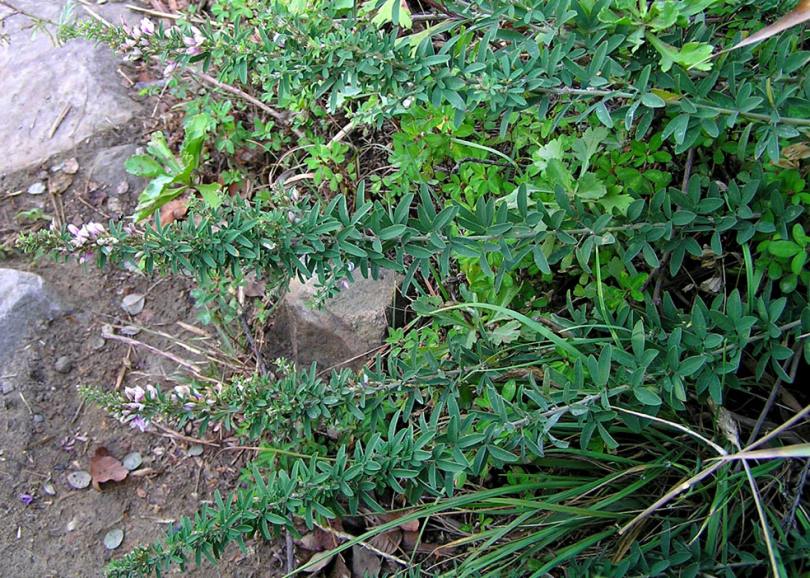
787	523
281	118
777	387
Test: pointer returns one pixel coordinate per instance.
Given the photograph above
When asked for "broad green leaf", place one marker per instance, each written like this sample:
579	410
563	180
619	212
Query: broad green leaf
211	194
143	166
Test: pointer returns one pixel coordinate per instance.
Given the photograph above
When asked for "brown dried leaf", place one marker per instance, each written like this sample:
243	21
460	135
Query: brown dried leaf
59	183
317	540
798	15
387	542
105	468
173	211
365	562
70	166
411	526
340	569
319	561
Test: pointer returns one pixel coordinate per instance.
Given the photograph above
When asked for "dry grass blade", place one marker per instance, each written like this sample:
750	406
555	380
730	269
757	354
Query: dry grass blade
798	15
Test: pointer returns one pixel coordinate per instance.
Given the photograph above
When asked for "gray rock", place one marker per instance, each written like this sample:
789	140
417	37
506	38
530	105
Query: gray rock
63	364
133	303
348	325
23	302
38	419
52	97
107	168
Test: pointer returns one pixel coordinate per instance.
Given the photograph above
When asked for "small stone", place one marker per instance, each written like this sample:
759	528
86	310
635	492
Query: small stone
114	205
36	189
71	525
133	303
97	343
195	450
38	419
49	489
63	364
113	538
59	183
122	188
130	330
79	480
7	388
132	461
70	166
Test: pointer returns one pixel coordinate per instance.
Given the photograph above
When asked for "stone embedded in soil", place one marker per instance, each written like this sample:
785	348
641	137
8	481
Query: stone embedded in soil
79	480
113	538
24	301
36	189
63	364
348	325
133	303
107	169
54	97
132	461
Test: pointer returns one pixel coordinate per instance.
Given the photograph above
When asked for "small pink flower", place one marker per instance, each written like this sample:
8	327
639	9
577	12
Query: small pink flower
139	423
147	27
135	394
26	499
188	406
151	392
194	42
182	391
170	68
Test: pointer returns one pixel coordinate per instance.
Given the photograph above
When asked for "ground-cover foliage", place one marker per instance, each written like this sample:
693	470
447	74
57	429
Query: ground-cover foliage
600	216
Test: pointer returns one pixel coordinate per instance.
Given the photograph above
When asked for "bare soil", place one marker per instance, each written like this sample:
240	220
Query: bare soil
46	432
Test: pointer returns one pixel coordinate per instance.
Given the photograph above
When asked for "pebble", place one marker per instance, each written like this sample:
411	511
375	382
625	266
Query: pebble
97	343
7	388
114	205
132	461
130	330
79	480
36	189
38	419
133	303
195	450
113	538
63	364
49	489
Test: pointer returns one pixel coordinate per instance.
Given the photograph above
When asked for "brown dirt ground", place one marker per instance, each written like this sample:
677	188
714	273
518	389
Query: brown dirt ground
45	431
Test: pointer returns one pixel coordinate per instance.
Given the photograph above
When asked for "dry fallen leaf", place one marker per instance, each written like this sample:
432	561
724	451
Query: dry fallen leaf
59	183
387	542
340	569
105	468
797	16
173	211
71	166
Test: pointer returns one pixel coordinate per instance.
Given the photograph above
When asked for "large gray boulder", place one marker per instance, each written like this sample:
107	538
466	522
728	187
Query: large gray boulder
346	330
53	97
24	301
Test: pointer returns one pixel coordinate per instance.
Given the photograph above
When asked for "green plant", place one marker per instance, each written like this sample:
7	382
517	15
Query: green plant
603	228
171	176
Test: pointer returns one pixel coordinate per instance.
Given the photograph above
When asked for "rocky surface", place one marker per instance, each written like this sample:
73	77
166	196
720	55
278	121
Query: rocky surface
55	97
24	302
346	330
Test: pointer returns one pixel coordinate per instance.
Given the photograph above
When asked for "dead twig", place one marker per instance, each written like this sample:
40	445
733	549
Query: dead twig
777	386
246	97
59	119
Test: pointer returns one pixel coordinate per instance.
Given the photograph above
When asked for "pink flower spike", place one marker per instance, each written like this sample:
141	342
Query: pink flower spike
135	394
139	423
73	230
151	392
147	27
